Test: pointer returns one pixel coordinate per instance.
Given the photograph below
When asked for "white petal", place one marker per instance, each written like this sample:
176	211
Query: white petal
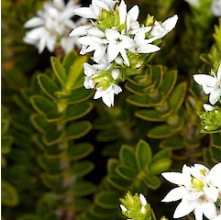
211	193
123	208
122	12
133	13
98	93
59	4
108	98
213	174
80	31
208	107
33	22
207	89
149	48
117	89
85	12
174	177
175	194
99	53
112	35
170	23
112	52
209	210
115	73
124	55
42	43
143	200
203	79
51	41
198	212
85	40
96	32
215	96
184	208
219	71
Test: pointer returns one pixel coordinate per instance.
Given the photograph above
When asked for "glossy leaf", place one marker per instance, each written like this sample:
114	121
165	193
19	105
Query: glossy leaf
127	157
177	96
44	205
159	166
53	136
174	143
127	172
68	60
152	182
149	115
107	199
161	131
9	195
168	83
82	168
40	123
42	105
77	111
77	130
59	70
83	188
79	151
143	154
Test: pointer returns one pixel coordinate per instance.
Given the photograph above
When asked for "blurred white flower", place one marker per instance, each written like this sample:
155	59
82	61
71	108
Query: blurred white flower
160	30
193	2
216	8
211	84
53	22
208	107
198	188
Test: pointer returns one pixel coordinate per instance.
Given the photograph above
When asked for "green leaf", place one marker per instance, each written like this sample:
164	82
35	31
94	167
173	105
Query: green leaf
41	104
79	151
40	123
54	182
108	135
9	195
160	166
53	136
77	111
127	172
127	157
215	139
82	168
169	82
166	153
77	130
80	204
174	143
48	86
68	60
59	70
83	188
75	72
44	205
152	182
107	199
149	115
6	142
78	95
177	96
161	131
118	182
143	154
51	164
215	153
144	100
156	75
100	212
136	89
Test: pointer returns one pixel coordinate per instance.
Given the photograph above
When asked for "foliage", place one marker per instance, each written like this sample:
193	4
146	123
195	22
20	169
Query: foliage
67	156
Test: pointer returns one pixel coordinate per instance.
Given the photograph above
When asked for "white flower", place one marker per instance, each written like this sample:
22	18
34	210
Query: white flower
143	45
211	85
94	41
160	30
193	2
216	8
94	10
108	94
117	44
208	108
198	188
52	22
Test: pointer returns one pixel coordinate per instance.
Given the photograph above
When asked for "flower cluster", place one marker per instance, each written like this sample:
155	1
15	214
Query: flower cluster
136	207
118	42
211	85
215	7
53	24
199	190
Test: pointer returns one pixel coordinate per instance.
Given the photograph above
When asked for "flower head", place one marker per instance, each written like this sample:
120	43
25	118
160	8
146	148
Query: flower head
211	84
199	191
53	22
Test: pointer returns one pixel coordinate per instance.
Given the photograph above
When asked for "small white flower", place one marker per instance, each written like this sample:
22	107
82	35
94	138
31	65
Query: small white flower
94	10
160	30
143	200
117	44
143	45
198	190
211	85
216	8
115	73
52	22
108	94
